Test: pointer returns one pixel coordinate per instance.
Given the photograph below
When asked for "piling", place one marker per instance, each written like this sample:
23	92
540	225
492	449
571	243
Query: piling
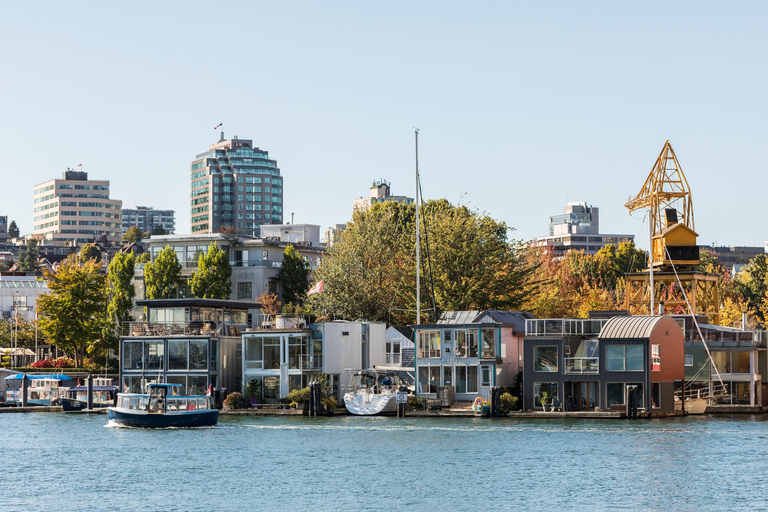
89	391
24	389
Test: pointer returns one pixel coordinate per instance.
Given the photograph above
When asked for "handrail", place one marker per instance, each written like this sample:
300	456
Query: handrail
582	365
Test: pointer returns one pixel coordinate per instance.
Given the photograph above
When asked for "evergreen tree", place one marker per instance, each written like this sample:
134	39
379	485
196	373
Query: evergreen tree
158	230
90	252
163	276
213	277
294	276
29	260
74	314
13	230
121	288
134	234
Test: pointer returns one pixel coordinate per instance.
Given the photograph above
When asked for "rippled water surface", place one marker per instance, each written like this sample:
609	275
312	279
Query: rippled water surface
75	462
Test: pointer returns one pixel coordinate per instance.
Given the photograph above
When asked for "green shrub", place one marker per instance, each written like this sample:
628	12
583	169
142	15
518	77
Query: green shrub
508	402
414	402
330	403
297	395
234	400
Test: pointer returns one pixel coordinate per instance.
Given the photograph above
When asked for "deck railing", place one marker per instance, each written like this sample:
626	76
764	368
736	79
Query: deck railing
563	327
582	365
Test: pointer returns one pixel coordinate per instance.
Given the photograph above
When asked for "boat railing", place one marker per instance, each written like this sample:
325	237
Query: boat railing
563	327
582	365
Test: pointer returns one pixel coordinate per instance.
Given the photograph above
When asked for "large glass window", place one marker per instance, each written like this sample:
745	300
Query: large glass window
471	379
544	359
466	343
429	379
295	351
617	393
153	355
271	387
253	355
489	342
177	354
272	354
132	355
197	384
546	390
178	379
461	379
619	358
429	344
198	354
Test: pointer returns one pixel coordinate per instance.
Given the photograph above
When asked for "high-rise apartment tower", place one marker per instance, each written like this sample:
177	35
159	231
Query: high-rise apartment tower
235	184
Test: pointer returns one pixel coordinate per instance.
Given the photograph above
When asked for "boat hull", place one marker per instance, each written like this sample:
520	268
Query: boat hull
201	418
364	404
72	405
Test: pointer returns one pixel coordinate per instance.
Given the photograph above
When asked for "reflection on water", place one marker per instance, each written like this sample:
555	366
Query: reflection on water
351	463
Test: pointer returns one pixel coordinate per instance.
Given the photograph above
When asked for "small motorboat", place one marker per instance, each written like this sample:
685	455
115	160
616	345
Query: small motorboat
43	390
162	407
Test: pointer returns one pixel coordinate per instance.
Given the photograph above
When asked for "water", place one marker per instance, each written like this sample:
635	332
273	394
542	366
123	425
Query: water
73	462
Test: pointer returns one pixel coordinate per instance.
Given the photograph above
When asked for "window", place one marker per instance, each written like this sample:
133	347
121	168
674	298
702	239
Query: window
688	359
656	358
132	355
429	344
244	290
486	375
153	355
544	359
489	343
617	393
447	376
471	379
198	354
272	354
461	379
253	355
466	343
429	379
620	358
177	354
393	352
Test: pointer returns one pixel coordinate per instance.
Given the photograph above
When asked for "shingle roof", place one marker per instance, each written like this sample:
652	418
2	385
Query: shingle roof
629	327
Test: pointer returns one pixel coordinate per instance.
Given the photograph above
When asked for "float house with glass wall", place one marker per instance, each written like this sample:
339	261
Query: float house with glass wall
589	364
286	353
192	342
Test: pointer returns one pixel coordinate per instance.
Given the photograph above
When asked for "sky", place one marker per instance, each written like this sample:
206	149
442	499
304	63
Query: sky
521	107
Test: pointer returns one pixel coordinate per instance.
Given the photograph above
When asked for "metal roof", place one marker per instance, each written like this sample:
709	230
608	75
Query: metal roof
516	318
457	317
629	327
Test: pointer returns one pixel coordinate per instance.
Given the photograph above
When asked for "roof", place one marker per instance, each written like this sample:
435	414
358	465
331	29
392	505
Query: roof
198	303
457	317
516	318
404	330
629	327
19	376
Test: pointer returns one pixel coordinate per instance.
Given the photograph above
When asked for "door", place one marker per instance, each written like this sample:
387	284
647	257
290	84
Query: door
588	396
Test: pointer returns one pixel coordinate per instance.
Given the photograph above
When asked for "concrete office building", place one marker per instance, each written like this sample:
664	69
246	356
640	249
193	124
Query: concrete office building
578	228
379	193
148	219
235	184
77	209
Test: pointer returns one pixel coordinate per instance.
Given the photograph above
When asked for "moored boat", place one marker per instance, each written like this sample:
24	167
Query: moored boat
372	392
103	396
163	408
43	390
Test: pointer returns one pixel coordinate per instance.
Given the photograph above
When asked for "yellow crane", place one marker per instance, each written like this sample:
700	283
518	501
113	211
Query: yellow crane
672	271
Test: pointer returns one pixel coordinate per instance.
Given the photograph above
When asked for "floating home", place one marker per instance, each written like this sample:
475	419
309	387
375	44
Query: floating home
590	364
192	342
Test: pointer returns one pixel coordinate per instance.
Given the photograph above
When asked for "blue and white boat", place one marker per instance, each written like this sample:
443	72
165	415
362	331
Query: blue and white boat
162	407
104	394
42	390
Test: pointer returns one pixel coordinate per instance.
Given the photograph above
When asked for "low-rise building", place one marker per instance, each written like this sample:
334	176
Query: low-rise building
286	354
578	229
379	193
192	342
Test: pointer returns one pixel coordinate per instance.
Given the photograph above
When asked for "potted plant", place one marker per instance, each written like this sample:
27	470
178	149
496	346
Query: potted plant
545	400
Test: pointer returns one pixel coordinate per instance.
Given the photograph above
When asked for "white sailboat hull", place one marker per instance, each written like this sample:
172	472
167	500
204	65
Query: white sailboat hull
693	405
369	404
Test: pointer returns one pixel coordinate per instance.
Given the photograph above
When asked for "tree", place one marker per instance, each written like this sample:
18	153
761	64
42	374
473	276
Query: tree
13	230
158	230
163	276
29	260
213	277
143	258
90	252
134	234
74	314
370	271
121	288
294	276
269	303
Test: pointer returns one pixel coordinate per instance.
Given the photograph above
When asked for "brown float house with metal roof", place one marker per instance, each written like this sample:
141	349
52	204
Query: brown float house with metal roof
588	364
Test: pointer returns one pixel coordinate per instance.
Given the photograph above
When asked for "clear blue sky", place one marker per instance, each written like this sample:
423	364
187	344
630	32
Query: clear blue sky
521	107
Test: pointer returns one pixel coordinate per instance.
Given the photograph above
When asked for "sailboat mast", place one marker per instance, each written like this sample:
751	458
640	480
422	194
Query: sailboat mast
418	236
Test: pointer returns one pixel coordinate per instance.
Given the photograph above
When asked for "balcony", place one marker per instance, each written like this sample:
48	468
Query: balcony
563	327
307	362
582	365
194	328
